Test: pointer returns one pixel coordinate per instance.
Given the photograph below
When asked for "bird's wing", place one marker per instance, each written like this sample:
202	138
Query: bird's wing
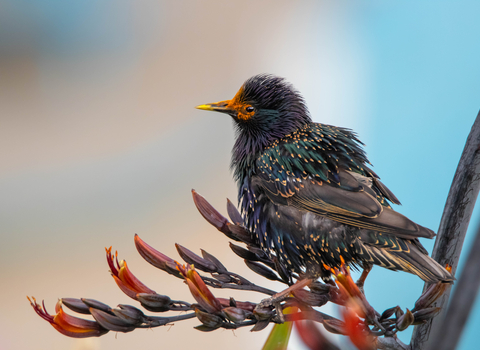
344	196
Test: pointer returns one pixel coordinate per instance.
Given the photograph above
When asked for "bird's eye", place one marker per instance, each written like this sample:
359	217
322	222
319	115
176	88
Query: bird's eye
249	109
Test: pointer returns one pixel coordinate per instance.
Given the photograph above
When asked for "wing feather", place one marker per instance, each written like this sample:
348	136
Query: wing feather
356	208
322	170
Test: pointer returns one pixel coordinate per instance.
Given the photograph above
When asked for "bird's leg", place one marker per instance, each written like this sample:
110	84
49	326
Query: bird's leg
361	281
281	296
374	317
276	299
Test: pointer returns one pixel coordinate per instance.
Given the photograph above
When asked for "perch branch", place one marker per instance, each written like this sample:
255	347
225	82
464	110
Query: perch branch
453	226
462	301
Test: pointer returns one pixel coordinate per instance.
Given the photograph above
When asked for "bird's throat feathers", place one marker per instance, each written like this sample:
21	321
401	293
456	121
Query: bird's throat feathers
254	137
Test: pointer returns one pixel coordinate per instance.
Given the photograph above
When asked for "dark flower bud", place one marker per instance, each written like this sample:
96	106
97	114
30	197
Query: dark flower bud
214	260
154	302
262	270
111	322
210	213
236	314
129	314
405	320
209	320
203	328
260	325
233	213
245	305
388	312
240	234
192	258
282	271
398	313
76	305
223	278
263	313
243	253
257	251
96	304
156	258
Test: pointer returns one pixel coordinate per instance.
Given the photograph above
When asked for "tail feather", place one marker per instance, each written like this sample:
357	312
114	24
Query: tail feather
411	260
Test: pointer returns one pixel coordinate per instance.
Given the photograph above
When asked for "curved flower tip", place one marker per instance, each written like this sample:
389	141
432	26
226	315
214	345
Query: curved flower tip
192	258
155	258
66	324
199	289
210	213
234	214
112	261
210	321
125	279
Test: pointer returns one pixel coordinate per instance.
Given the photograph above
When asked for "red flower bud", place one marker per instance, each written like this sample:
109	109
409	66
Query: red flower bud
125	279
66	324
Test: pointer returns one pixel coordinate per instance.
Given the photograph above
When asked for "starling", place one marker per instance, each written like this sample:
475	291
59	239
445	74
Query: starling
307	194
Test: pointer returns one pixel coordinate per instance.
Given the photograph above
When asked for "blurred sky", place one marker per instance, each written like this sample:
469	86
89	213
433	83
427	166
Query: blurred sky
100	139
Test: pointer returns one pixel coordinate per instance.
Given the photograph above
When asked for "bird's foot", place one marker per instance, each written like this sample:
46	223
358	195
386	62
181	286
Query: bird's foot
275	300
280	316
378	326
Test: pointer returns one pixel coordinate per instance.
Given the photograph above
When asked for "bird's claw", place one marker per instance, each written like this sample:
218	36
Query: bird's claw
377	324
280	318
273	302
265	303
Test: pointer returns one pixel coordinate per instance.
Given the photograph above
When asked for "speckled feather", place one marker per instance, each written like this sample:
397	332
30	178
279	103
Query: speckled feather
307	193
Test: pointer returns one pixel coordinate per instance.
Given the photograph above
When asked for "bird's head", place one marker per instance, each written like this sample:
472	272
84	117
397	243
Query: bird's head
265	108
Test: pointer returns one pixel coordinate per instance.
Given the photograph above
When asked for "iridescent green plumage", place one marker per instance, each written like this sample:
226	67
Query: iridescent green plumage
307	193
319	151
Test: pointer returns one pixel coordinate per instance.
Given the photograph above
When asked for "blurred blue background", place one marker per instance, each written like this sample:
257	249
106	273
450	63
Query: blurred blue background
100	139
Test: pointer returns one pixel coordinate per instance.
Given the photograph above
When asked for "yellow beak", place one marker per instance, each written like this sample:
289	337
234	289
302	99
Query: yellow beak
221	106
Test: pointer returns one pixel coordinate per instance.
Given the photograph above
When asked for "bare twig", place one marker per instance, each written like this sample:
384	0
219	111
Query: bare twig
453	226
